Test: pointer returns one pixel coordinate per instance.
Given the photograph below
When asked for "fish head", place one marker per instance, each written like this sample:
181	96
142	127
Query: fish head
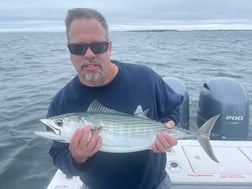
60	123
61	128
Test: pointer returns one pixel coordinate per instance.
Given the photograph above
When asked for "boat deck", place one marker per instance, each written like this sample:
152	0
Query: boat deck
190	168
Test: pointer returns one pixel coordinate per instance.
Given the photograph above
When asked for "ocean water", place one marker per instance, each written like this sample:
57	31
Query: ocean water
34	66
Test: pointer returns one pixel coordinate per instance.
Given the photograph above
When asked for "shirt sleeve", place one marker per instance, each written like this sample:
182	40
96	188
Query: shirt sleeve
62	158
168	102
60	152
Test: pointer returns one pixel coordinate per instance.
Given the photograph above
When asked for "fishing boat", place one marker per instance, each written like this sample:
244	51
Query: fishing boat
188	165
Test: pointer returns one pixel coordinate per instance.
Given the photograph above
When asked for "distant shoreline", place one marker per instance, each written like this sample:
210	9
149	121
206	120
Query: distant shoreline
174	30
168	26
153	30
140	30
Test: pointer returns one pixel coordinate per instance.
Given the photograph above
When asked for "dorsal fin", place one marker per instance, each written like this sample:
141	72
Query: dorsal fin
96	106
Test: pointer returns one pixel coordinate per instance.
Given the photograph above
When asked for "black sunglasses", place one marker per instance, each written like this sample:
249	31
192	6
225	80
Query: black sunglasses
81	48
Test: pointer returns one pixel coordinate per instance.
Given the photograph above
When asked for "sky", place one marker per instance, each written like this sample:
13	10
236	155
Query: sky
237	12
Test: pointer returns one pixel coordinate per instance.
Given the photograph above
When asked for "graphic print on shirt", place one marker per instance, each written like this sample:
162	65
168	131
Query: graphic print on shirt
138	110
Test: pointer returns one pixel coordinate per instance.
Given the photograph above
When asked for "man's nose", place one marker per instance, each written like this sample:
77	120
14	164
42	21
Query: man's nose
89	53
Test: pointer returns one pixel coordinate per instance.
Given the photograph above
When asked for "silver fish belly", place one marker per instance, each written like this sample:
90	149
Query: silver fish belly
121	132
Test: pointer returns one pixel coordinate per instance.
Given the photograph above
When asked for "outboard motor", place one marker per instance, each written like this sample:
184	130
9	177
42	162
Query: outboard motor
225	96
179	87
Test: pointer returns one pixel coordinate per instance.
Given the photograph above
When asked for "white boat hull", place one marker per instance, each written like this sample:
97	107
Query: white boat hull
190	168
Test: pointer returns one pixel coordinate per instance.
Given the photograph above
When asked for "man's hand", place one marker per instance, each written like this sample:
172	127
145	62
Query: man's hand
84	144
163	140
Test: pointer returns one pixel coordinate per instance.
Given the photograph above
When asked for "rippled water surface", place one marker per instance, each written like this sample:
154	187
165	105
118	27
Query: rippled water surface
34	66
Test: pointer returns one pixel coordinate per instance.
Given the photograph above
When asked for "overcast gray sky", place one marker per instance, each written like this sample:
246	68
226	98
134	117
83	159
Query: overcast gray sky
131	10
130	14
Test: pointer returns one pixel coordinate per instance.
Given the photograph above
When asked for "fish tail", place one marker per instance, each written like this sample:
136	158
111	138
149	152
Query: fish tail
203	136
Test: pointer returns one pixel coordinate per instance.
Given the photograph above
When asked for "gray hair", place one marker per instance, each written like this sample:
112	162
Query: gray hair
85	13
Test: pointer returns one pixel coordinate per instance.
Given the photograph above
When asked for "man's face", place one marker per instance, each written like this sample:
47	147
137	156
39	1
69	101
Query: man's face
93	69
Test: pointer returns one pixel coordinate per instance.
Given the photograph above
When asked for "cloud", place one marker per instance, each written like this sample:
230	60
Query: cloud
130	10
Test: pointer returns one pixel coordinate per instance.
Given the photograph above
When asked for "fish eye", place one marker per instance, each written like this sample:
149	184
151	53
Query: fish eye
59	122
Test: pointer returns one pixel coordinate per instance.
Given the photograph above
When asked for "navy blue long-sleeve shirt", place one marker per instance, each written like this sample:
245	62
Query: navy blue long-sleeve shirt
134	86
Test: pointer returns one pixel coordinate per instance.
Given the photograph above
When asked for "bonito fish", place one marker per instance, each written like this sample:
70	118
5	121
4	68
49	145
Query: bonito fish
121	132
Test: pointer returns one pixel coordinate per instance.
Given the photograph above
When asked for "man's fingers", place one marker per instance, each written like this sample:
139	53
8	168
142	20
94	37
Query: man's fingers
85	143
154	148
93	140
172	140
170	124
163	142
85	136
76	138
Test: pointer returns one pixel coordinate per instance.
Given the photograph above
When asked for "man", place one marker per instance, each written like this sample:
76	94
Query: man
124	87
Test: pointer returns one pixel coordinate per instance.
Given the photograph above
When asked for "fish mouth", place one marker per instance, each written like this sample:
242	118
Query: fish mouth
51	127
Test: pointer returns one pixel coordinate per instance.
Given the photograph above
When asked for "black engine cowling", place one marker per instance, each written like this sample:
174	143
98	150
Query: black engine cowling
225	96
